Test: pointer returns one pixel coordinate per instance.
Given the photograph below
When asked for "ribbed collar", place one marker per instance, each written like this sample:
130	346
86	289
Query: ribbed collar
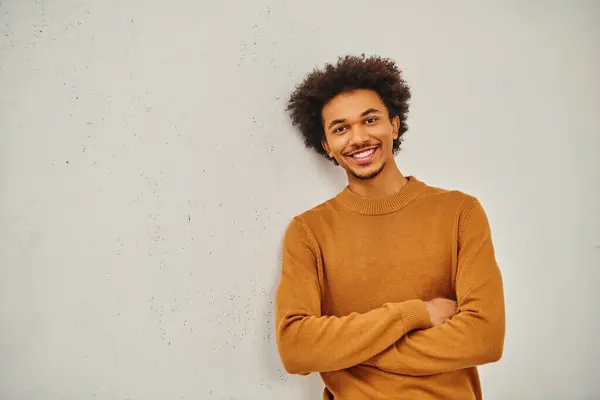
381	205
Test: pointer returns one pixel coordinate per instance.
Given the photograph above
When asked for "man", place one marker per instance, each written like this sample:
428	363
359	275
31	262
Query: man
390	290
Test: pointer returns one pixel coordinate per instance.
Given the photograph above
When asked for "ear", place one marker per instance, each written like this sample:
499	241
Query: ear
326	147
395	127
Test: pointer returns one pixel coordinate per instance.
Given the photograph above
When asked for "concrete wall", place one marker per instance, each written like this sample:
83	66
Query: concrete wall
148	170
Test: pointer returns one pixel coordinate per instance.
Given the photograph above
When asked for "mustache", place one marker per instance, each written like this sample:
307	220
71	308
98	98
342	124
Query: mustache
360	147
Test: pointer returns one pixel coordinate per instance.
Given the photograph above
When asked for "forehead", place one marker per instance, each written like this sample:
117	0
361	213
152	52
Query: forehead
351	105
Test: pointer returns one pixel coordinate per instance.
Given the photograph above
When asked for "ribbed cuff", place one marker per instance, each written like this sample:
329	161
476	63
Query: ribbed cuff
414	315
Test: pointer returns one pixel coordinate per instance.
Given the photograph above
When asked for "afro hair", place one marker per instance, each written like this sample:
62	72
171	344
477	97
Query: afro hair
381	75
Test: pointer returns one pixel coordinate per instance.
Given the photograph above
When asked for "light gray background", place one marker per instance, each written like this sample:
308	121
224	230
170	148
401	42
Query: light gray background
148	171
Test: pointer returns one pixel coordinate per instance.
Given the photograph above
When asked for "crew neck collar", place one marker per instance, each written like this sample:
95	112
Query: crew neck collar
377	205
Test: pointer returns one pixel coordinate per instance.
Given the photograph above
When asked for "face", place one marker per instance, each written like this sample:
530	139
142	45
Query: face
359	133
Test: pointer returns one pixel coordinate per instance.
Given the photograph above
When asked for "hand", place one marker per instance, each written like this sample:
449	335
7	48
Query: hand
440	310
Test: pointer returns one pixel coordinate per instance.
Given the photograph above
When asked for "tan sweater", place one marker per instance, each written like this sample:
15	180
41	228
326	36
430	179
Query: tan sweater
355	274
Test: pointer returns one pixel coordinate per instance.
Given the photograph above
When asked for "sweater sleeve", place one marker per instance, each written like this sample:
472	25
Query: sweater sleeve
311	342
475	335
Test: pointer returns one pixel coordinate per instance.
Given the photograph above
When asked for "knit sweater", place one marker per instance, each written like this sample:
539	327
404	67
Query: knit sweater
355	274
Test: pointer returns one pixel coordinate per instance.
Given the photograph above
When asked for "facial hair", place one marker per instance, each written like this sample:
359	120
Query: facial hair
369	176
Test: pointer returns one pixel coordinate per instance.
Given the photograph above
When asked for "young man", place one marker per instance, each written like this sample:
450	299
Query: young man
390	290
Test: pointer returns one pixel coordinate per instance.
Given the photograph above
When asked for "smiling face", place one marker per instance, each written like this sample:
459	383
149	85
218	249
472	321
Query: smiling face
359	133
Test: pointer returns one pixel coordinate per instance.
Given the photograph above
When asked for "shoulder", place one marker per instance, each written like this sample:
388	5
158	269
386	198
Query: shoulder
465	208
317	213
311	220
468	211
448	198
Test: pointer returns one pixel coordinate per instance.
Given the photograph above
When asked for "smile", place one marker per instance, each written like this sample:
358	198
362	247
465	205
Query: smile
363	157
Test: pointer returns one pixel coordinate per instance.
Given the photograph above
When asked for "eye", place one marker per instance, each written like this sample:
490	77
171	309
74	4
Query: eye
339	129
371	120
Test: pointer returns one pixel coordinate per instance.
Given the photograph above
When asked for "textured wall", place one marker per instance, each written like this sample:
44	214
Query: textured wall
148	170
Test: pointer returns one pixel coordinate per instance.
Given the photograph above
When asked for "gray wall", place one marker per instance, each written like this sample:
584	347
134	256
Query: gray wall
148	171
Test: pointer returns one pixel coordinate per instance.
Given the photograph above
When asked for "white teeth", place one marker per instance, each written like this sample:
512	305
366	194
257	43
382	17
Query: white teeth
363	154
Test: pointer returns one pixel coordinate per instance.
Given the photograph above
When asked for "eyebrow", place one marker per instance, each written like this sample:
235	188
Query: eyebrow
339	121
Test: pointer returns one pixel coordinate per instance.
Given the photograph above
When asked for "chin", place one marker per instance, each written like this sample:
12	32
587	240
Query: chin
369	172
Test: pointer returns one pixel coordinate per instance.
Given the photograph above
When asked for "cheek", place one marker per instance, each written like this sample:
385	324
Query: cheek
337	144
384	134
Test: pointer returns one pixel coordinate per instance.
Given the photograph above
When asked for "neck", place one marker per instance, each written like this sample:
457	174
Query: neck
388	182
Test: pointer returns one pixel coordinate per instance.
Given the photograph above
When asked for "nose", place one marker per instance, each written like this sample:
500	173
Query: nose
359	136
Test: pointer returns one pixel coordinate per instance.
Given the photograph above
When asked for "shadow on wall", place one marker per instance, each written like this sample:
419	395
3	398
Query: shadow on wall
333	174
310	387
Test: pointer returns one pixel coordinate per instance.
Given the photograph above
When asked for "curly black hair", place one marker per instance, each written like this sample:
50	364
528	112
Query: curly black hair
379	74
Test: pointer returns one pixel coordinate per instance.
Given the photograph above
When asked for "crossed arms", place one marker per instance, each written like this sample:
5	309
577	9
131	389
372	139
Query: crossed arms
398	337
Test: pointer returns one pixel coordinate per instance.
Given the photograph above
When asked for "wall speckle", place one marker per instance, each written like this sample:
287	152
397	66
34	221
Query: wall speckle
148	170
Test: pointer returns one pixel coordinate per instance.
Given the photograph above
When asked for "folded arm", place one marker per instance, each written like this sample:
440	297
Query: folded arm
475	335
311	342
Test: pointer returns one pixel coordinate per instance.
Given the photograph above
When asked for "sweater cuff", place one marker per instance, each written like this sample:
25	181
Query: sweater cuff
414	315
